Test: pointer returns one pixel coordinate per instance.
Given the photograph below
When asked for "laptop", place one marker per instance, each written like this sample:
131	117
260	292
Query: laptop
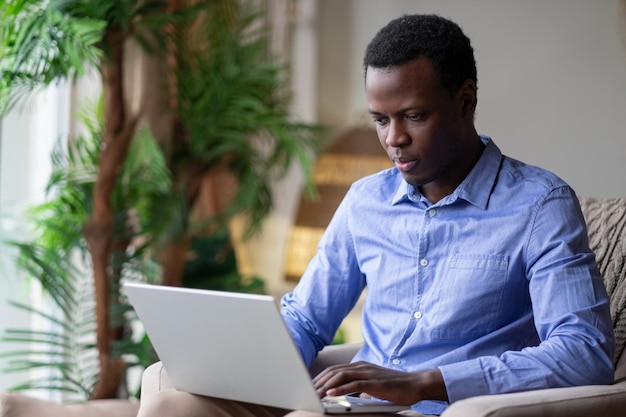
233	346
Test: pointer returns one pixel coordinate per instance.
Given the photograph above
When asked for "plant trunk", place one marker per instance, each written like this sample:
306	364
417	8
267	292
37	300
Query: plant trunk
172	259
173	256
188	180
118	132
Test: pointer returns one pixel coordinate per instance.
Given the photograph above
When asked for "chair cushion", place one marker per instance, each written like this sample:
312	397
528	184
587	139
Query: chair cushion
18	405
585	401
606	225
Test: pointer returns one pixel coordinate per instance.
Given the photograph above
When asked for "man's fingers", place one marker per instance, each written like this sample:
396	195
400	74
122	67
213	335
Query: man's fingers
338	380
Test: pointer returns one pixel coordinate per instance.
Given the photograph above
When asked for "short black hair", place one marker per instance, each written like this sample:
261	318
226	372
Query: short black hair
438	39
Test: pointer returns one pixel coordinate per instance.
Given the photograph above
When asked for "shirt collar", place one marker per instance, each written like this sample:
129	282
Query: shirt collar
475	188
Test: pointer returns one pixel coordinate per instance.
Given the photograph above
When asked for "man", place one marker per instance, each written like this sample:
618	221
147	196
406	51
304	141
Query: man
479	275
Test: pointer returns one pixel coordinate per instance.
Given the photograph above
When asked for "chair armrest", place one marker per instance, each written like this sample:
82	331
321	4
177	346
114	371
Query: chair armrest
584	401
154	379
334	355
19	405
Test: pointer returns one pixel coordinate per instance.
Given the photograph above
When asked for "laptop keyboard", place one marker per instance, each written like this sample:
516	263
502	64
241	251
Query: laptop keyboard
336	403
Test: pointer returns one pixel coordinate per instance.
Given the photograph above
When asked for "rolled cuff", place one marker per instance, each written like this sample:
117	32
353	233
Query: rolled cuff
463	380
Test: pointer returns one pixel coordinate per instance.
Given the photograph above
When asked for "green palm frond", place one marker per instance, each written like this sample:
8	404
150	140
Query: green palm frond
40	43
56	256
47	41
51	268
234	102
61	348
232	109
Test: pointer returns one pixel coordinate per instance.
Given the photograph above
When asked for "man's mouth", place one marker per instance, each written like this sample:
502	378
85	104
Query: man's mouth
405	165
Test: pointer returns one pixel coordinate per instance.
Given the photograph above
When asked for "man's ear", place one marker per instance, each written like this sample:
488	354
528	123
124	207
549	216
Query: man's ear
467	99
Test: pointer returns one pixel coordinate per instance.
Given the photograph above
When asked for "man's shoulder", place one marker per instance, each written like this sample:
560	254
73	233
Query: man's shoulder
381	185
527	174
512	175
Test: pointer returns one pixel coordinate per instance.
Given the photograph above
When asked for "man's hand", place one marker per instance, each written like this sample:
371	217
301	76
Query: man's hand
404	388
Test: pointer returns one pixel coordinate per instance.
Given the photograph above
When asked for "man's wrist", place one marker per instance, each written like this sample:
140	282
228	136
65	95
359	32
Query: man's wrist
431	385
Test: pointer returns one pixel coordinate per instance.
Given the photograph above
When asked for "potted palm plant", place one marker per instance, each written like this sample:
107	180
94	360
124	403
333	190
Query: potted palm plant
227	134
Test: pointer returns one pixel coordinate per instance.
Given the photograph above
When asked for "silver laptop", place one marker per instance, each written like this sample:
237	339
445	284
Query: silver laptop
233	346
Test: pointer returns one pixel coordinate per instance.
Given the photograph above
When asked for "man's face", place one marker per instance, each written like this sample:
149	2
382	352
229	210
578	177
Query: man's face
421	126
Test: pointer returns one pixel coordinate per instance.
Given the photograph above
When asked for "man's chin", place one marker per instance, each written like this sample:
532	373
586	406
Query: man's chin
414	181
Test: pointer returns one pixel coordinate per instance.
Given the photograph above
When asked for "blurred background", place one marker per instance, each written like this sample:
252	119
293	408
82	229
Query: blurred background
552	92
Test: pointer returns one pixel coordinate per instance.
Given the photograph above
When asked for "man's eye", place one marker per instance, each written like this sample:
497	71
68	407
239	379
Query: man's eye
380	120
414	117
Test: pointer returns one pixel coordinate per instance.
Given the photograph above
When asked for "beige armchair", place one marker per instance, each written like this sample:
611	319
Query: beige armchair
606	220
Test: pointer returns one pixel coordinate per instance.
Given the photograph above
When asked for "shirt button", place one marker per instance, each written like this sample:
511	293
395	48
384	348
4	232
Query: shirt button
396	361
424	262
432	212
417	314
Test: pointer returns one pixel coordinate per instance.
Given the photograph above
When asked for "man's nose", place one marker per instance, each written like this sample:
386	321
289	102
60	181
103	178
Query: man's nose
396	134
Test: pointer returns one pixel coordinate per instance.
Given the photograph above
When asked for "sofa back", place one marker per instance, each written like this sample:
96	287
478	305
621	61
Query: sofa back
606	226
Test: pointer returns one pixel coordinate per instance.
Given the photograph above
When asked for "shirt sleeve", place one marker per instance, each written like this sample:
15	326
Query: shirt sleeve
570	310
327	291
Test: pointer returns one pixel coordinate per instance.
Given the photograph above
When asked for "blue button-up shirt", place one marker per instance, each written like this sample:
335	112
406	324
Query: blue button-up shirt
494	284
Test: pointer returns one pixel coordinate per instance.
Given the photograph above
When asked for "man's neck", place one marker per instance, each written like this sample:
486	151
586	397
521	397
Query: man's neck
438	189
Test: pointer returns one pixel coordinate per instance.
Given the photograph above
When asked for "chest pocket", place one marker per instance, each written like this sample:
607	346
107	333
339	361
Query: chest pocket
469	296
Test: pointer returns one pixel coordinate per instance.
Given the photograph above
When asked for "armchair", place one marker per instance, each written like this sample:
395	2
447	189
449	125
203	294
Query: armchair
606	221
